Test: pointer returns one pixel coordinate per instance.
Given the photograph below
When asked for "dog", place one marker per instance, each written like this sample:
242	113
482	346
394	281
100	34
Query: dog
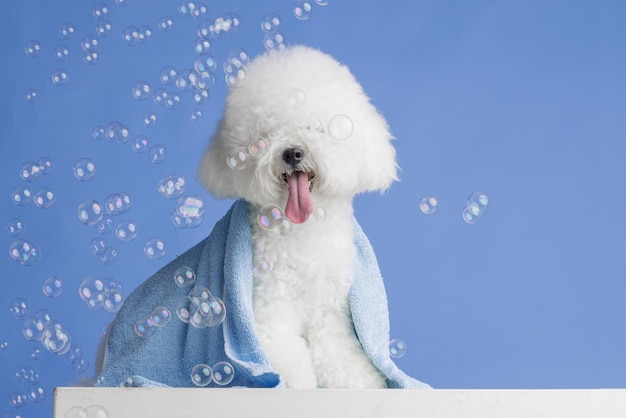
298	140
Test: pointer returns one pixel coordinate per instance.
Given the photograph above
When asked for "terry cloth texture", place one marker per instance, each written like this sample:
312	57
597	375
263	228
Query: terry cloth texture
223	264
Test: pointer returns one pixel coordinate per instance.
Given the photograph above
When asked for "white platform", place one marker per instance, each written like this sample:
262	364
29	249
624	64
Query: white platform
276	403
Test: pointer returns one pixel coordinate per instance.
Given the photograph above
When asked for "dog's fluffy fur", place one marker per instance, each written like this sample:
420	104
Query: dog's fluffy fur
301	310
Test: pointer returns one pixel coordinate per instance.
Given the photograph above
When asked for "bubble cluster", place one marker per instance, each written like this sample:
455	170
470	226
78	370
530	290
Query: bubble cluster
340	127
159	318
126	230
428	205
201	309
189	212
92	411
234	66
475	208
172	186
84	169
397	348
43	327
25	252
44	198
302	9
221	26
17	400
25	373
154	248
100	293
118	203
52	286
104	253
131	35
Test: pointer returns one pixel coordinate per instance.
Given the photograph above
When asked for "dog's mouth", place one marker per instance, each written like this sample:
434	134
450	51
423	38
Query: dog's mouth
299	202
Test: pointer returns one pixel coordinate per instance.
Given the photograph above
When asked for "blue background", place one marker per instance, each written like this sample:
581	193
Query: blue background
524	101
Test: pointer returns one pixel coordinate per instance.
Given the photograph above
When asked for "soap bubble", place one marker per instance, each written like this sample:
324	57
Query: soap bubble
270	22
184	276
318	216
145	33
141	90
202	45
168	74
126	231
117	132
104	28
45	165
302	9
172	101
140	144
90	212
35	353
397	348
98	132
118	203
155	248
143	326
92	292
185	7
15	227
234	66
84	169
90	43
91	57
205	62
161	316
428	205
200	11
237	158
274	40
477	203
183	81
195	114
258	147
123	3
157	154
296	97
67	31
223	26
32	48
270	217
30	95
32	330
25	252
322	2
81	365
190	206
105	225
19	308
30	171
340	127
165	23
98	245
469	217
52	286
108	256
62	53
130	35
56	339
223	373
17	399
100	11
113	300
21	195
261	268
150	119
201	375
172	186
36	392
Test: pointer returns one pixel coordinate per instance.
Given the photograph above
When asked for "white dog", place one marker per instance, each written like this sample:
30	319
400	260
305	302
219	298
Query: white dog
316	141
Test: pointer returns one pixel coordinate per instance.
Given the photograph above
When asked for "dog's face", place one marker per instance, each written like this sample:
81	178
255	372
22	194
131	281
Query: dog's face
298	126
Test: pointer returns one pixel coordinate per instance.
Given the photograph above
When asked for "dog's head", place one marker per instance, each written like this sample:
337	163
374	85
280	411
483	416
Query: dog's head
298	126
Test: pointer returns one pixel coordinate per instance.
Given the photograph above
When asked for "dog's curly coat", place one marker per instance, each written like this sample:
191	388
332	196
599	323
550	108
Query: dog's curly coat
301	310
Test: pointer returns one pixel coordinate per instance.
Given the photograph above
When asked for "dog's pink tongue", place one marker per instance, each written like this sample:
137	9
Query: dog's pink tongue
299	203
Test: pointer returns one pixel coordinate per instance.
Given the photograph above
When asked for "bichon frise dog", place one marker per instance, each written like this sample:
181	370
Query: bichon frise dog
316	141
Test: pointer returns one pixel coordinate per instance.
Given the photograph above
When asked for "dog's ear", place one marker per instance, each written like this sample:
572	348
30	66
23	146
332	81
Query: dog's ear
213	172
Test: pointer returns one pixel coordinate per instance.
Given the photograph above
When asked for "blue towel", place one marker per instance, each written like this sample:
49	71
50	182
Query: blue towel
223	264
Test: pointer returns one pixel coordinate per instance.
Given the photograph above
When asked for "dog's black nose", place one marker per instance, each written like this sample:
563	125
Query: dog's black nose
293	156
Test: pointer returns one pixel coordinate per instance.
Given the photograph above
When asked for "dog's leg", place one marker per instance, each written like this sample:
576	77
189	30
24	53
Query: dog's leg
280	334
338	357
